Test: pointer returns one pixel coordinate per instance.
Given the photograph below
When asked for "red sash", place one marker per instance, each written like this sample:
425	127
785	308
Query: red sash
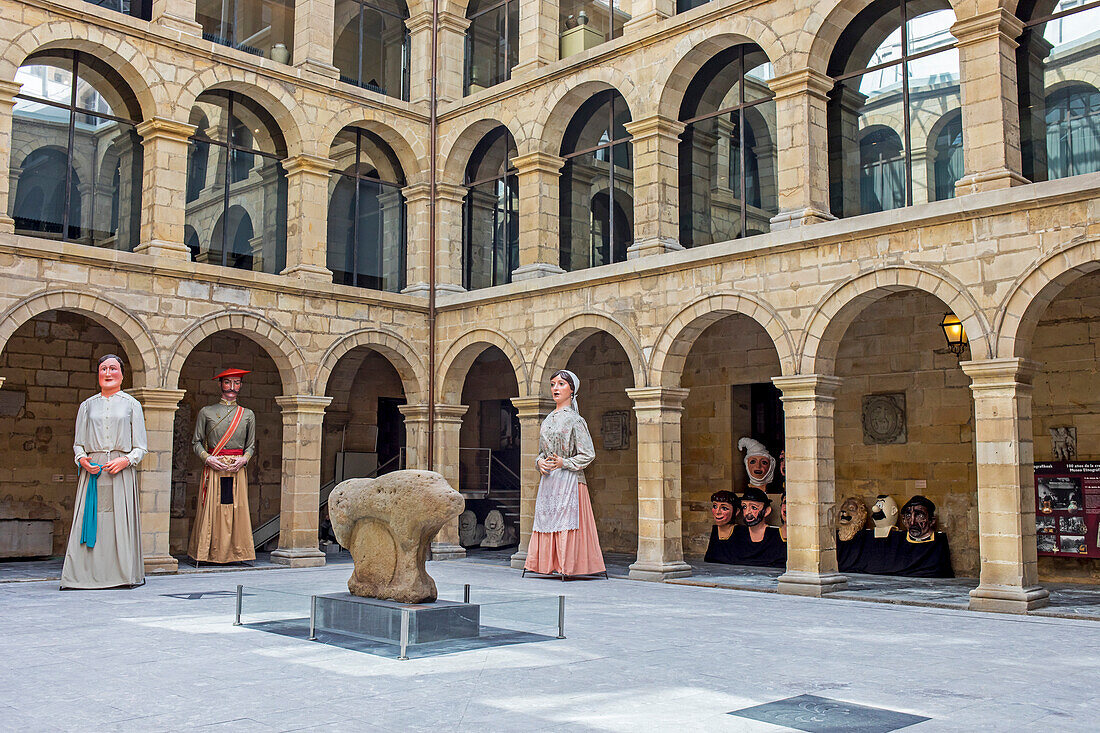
221	444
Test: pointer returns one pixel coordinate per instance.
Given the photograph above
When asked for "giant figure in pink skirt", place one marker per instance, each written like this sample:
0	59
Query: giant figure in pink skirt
564	540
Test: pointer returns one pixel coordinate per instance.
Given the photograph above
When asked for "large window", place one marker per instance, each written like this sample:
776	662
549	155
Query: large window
587	23
897	79
492	43
1058	66
366	213
727	151
260	27
75	155
597	184
490	213
371	45
136	8
236	187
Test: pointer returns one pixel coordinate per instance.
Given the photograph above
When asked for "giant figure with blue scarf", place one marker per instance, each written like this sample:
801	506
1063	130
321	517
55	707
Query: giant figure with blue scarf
104	548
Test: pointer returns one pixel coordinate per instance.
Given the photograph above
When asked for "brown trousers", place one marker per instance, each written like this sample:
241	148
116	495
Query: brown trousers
222	532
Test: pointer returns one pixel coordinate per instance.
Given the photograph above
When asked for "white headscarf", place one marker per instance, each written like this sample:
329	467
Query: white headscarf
753	447
576	388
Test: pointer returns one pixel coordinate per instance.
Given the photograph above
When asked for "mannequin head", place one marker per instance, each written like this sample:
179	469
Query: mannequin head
884	514
759	463
783	463
724	506
755	506
919	516
109	372
231	381
783	508
562	388
850	518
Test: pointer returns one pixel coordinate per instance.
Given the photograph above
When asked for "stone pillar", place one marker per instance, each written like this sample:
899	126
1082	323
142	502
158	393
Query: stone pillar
417	220
449	62
176	15
1009	577
803	144
307	179
538	35
448	423
539	248
532	411
155	475
416	435
313	36
808	402
8	90
647	13
164	188
448	238
299	505
660	540
990	113
656	142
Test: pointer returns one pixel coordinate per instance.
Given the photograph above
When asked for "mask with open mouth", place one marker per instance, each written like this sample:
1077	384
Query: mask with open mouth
851	518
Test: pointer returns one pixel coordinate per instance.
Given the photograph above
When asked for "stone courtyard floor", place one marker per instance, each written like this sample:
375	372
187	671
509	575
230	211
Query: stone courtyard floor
637	657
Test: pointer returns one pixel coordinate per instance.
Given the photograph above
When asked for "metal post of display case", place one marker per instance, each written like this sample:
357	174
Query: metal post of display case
313	618
466	593
561	617
240	597
404	634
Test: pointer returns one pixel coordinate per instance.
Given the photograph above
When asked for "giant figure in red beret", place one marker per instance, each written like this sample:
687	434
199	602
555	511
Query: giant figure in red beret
225	439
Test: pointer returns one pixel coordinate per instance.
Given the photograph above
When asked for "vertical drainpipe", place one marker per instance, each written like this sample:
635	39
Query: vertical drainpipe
433	106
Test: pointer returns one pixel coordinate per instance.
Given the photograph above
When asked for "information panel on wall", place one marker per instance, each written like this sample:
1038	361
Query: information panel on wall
1067	508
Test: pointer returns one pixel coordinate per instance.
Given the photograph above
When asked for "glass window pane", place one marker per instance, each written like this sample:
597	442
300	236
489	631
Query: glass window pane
758	72
254	225
512	38
487	50
587	23
761	199
210	116
483	224
930	30
622	226
341	229
934	101
39	171
370	47
107	158
254	26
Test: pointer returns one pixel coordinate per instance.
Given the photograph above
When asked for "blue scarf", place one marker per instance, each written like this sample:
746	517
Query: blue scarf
91	509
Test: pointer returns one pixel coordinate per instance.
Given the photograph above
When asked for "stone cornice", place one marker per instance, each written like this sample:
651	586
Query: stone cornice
538	161
663	399
985	26
162	128
447	22
655	126
303	404
808	387
802	81
8	90
152	398
532	407
304	163
995	374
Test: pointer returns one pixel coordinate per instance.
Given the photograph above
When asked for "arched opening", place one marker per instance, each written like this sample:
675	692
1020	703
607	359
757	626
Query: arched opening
490	212
727	150
492	43
366	222
49	366
371	45
896	71
240	141
76	158
261	386
947	156
597	152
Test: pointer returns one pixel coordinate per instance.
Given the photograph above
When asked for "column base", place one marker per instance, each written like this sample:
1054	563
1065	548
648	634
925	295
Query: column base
658	571
801	583
644	21
447	551
161	564
315	273
988	181
162	248
7	224
519	559
537	270
318	67
530	67
299	557
799	218
652	246
421	290
183	26
1008	598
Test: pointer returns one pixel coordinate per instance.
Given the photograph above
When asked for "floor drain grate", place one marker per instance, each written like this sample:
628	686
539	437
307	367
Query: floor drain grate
822	714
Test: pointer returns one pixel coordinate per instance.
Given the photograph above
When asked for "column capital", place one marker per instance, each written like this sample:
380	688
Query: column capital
986	374
8	90
162	128
422	22
415	192
418	412
801	81
153	398
998	23
538	162
303	404
529	407
310	164
807	387
655	126
664	399
450	413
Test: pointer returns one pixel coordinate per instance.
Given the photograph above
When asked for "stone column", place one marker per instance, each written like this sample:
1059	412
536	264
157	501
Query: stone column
1009	577
538	35
449	62
803	144
660	540
656	142
164	188
448	237
417	220
313	36
532	411
299	505
448	423
307	178
176	15
808	402
155	475
8	90
416	435
647	13
539	248
990	114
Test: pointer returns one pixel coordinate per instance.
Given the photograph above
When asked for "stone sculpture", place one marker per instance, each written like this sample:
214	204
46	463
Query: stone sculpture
470	533
388	524
851	518
497	532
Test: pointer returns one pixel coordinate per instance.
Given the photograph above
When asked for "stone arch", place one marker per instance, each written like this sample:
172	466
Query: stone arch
1035	289
566	97
274	98
385	125
676	339
131	332
279	346
455	153
398	353
132	65
460	356
565	337
832	316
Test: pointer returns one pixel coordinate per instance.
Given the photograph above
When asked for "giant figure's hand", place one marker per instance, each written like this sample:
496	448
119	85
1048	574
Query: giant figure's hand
216	463
90	467
117	465
236	463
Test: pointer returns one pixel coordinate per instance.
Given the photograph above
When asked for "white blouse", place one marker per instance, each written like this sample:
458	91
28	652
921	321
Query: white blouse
114	423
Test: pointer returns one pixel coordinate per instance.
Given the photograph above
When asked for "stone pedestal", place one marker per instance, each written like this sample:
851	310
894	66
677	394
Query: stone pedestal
531	412
303	416
371	618
155	475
